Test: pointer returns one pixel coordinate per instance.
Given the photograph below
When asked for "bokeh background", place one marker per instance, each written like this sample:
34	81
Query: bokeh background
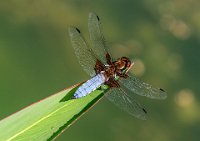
162	37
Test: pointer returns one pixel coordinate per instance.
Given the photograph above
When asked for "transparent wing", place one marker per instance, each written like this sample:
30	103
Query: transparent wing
120	98
97	37
84	54
138	87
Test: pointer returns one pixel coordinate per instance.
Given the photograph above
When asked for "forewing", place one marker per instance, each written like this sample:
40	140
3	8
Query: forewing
138	87
120	98
97	37
84	54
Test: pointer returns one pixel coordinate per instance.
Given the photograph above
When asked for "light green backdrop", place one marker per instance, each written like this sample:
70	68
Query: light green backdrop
162	37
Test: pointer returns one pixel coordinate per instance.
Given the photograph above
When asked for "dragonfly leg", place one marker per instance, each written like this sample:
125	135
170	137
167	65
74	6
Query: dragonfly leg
122	75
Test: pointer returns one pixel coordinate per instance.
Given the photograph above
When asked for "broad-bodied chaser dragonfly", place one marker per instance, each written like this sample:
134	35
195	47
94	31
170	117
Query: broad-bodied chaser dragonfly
97	62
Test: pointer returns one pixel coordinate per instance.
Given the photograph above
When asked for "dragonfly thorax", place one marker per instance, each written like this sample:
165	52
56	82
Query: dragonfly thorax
117	69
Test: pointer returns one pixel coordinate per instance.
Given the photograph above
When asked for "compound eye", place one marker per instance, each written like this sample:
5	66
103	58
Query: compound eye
127	61
127	64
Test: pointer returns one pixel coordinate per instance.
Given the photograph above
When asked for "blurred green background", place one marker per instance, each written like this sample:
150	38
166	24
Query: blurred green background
162	37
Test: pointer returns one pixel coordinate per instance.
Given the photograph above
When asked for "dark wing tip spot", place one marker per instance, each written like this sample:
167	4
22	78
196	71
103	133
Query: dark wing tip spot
98	18
78	30
144	110
162	90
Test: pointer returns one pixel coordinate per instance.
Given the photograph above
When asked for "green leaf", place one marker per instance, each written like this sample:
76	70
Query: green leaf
47	118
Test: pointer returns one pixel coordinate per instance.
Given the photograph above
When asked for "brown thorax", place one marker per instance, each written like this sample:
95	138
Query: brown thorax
113	70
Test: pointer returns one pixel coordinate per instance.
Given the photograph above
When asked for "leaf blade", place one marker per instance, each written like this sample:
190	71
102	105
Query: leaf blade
46	119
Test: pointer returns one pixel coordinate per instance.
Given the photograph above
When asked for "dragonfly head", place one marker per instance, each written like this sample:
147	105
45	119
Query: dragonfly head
123	65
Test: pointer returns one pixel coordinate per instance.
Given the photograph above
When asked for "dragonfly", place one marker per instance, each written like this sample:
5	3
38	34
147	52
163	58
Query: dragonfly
96	61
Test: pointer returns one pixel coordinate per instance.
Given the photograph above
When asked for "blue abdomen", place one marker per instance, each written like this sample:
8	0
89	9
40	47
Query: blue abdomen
89	86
